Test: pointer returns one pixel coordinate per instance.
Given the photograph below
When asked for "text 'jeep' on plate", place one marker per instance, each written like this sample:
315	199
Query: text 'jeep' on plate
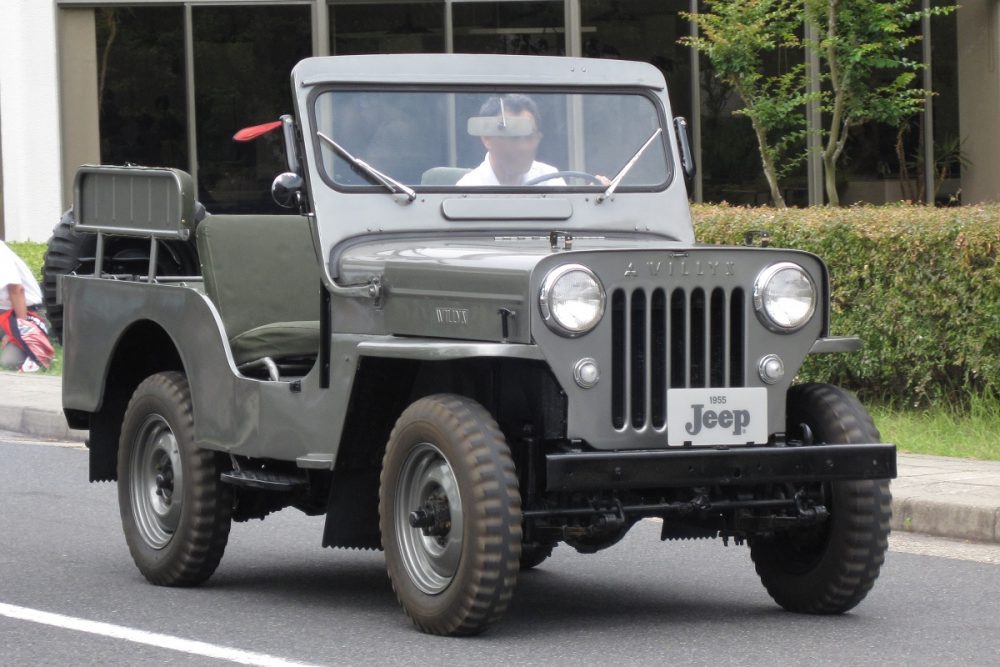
484	329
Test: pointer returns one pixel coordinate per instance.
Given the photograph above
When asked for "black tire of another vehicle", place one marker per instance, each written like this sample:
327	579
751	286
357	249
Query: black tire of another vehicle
71	251
829	568
446	451
62	256
175	510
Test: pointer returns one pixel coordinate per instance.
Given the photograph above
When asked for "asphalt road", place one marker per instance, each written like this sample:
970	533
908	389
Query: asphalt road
278	595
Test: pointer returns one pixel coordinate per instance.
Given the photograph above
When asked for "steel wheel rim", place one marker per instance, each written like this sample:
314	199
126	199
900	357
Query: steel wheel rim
156	482
430	561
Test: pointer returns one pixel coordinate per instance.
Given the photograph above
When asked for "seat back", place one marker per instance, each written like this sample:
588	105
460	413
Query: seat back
259	269
443	175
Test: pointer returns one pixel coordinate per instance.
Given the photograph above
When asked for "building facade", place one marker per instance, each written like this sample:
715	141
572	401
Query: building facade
167	83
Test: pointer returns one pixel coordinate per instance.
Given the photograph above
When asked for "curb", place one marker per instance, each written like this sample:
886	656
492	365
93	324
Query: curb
954	520
39	424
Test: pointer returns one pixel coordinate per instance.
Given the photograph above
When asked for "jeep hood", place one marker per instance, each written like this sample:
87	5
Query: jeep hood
464	287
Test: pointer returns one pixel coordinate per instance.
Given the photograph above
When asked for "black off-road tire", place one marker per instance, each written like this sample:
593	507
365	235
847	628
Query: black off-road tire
829	568
72	251
171	545
454	439
62	257
533	555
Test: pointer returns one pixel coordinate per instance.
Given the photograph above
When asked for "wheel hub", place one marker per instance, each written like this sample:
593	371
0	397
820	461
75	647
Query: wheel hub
429	521
434	518
156	482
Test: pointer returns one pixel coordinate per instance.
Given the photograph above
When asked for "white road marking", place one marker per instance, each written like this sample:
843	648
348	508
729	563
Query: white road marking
21	439
150	638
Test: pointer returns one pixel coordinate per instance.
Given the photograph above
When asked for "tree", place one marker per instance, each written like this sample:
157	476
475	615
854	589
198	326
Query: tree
863	48
738	36
865	72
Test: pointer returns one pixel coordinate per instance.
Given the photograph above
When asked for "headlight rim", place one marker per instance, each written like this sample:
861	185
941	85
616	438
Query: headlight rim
759	286
545	295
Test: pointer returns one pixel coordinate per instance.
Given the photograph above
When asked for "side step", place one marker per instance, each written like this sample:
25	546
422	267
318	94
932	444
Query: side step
265	479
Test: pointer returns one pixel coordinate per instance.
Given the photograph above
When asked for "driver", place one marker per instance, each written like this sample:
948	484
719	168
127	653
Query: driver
510	160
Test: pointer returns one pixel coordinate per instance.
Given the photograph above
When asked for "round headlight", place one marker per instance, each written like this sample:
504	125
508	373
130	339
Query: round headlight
784	296
572	300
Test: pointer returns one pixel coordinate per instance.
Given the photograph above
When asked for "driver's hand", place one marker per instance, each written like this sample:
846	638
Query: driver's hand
603	179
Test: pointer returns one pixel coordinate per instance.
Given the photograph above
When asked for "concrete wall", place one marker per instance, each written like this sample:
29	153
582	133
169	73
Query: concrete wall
979	98
29	106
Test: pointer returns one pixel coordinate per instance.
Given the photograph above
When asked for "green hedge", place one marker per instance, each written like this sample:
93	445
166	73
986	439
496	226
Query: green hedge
920	286
31	253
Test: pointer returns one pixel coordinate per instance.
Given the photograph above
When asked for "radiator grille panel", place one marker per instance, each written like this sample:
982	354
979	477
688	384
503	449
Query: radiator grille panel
675	338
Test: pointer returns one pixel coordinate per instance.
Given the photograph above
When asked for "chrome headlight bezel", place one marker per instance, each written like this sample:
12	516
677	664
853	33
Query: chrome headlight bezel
762	303
548	307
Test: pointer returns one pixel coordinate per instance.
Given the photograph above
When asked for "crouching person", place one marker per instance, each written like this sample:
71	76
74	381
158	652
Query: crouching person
25	345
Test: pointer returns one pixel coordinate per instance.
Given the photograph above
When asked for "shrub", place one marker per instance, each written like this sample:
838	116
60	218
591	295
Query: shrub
920	286
31	253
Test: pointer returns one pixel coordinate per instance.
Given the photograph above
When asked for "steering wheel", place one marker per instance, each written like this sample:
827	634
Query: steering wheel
565	174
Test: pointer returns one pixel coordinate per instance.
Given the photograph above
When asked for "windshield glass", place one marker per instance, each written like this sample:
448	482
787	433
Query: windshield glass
488	140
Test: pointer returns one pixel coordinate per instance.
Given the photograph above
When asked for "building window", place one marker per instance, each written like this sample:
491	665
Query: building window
524	28
243	57
415	27
140	86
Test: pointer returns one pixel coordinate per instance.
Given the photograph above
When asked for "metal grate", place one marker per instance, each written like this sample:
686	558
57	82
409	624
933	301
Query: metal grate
665	339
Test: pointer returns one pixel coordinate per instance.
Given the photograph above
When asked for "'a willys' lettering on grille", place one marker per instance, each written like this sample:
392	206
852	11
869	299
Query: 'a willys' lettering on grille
683	267
459	316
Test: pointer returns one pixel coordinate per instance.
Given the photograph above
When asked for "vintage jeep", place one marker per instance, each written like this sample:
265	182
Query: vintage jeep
465	361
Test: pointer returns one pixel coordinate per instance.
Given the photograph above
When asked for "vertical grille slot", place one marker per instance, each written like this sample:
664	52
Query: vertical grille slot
697	344
639	356
718	339
672	339
736	342
658	358
678	346
618	356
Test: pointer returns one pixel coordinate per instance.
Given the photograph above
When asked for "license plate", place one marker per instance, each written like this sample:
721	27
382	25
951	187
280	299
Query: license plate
721	416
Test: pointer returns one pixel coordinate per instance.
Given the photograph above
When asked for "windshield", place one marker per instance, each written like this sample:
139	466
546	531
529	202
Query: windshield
489	140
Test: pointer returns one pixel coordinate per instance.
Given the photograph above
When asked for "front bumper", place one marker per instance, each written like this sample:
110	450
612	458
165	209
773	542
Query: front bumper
743	466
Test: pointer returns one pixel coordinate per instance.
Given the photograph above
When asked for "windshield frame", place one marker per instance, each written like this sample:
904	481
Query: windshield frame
528	89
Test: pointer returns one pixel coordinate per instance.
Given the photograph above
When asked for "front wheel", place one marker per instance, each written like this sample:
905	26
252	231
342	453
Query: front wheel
829	568
450	516
175	511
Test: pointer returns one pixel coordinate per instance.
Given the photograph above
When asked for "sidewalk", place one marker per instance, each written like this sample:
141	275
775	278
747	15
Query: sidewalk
955	498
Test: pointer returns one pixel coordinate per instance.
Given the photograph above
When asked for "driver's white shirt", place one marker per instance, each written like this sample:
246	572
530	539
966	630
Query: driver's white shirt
483	174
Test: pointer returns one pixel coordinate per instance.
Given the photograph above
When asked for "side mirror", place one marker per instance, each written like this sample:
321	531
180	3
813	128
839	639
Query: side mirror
287	190
684	144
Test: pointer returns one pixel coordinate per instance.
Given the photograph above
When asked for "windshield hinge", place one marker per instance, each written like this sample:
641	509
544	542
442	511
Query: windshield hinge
561	240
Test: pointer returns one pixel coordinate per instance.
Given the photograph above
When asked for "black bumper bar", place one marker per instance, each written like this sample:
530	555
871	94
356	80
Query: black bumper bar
680	468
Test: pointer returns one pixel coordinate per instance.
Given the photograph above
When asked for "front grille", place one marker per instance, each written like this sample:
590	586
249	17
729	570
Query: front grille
668	339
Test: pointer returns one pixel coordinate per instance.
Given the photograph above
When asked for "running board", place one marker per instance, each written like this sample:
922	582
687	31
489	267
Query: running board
265	479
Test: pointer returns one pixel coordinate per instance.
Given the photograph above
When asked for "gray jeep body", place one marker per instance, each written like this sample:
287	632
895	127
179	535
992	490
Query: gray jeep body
391	300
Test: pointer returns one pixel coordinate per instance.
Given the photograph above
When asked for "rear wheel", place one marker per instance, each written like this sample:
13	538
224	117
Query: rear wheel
450	516
829	568
176	513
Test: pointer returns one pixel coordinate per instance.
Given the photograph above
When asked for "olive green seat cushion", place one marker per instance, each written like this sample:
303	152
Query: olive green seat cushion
260	271
279	339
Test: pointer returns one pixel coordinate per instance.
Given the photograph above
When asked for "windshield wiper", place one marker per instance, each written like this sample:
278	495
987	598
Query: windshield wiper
389	182
628	166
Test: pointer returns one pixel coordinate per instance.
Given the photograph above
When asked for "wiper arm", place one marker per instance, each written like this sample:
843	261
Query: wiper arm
389	182
628	166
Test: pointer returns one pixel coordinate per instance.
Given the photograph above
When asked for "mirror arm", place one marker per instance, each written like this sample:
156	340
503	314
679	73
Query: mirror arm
688	164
